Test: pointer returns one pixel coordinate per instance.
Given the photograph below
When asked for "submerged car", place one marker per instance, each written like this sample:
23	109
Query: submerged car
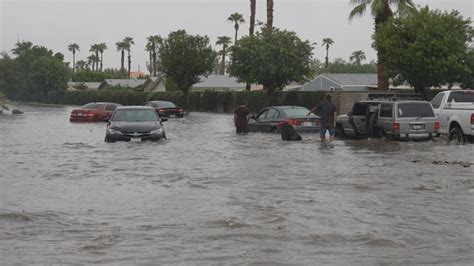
166	109
93	112
393	119
271	119
135	123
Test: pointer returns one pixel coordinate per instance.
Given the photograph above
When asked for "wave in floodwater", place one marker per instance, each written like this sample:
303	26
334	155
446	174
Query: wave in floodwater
208	196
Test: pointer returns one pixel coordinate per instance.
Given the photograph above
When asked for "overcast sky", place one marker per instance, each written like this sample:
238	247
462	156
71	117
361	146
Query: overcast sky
56	24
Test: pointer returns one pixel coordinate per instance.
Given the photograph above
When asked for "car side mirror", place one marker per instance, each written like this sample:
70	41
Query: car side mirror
254	117
108	122
349	113
107	119
164	119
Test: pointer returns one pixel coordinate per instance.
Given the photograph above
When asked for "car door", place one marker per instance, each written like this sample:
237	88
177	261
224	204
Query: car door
358	119
109	109
442	116
256	122
269	123
386	117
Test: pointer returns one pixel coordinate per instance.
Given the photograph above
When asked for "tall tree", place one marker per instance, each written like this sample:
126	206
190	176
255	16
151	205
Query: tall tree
185	57
95	48
128	41
357	57
121	47
237	19
73	48
327	42
381	11
92	60
224	41
269	14
102	47
253	10
152	45
81	65
149	49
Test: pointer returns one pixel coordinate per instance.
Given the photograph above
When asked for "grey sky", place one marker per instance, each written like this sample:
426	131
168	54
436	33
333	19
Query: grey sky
55	24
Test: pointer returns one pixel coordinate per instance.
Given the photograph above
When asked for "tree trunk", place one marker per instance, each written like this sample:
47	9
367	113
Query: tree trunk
155	66
151	69
253	8
129	64
382	77
236	26
98	59
73	61
101	60
382	69
269	14
327	58
122	61
222	70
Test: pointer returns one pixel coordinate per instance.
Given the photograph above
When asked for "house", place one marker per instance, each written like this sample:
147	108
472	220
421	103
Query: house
137	74
126	83
154	84
88	86
345	82
219	82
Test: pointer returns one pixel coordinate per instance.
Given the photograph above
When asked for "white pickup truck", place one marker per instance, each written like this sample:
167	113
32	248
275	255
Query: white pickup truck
455	111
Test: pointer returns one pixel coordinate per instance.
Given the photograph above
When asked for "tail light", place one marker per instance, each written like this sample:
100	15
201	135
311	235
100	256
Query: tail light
396	128
181	110
160	110
436	126
293	122
472	119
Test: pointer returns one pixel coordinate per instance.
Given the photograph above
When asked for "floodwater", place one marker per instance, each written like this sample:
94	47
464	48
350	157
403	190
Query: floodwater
208	196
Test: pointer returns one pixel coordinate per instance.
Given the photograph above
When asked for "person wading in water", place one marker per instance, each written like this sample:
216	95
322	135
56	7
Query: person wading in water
241	118
327	111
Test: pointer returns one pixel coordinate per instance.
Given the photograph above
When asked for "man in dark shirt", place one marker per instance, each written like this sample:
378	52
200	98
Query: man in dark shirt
327	111
241	118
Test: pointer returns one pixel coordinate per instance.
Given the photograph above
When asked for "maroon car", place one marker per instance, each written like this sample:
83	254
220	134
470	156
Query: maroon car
93	112
166	109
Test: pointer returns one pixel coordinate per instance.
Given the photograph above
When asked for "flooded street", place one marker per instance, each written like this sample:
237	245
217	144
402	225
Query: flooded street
209	196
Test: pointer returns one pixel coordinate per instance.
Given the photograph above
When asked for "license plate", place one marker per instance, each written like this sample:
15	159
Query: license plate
172	115
135	139
79	114
307	124
417	127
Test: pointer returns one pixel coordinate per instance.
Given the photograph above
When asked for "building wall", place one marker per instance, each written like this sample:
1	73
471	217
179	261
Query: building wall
345	99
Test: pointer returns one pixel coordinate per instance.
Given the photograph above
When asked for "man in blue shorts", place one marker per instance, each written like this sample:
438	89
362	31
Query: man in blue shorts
327	111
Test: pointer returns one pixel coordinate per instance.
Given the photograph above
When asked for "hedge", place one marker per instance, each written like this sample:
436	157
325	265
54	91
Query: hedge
205	101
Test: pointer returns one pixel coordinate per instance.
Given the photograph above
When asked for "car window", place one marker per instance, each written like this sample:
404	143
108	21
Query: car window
262	115
272	114
386	110
137	115
90	106
165	105
110	107
296	111
436	102
415	110
461	97
359	109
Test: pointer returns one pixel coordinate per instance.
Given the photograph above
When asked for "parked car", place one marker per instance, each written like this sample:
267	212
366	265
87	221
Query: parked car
393	119
135	123
271	119
166	109
455	111
93	112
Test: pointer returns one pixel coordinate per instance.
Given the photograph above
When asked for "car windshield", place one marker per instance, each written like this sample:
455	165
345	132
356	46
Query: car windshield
138	115
461	97
296	111
165	105
415	110
90	106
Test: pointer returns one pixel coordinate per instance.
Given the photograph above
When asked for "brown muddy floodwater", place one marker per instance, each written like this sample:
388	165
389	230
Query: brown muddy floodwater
208	196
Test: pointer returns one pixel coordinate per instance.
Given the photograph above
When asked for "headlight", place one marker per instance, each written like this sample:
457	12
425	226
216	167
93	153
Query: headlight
113	131
157	131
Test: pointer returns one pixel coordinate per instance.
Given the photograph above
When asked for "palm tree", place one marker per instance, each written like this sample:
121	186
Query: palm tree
95	48
102	47
327	42
81	64
128	41
357	57
152	47
253	9
237	19
93	59
224	41
149	49
381	11
22	47
269	14
121	47
73	48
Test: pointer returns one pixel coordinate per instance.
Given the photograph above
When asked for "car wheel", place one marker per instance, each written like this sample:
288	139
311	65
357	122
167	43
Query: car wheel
340	132
456	136
274	130
108	140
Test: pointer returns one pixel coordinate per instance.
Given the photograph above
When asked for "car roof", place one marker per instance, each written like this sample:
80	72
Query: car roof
159	101
103	103
135	107
285	107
